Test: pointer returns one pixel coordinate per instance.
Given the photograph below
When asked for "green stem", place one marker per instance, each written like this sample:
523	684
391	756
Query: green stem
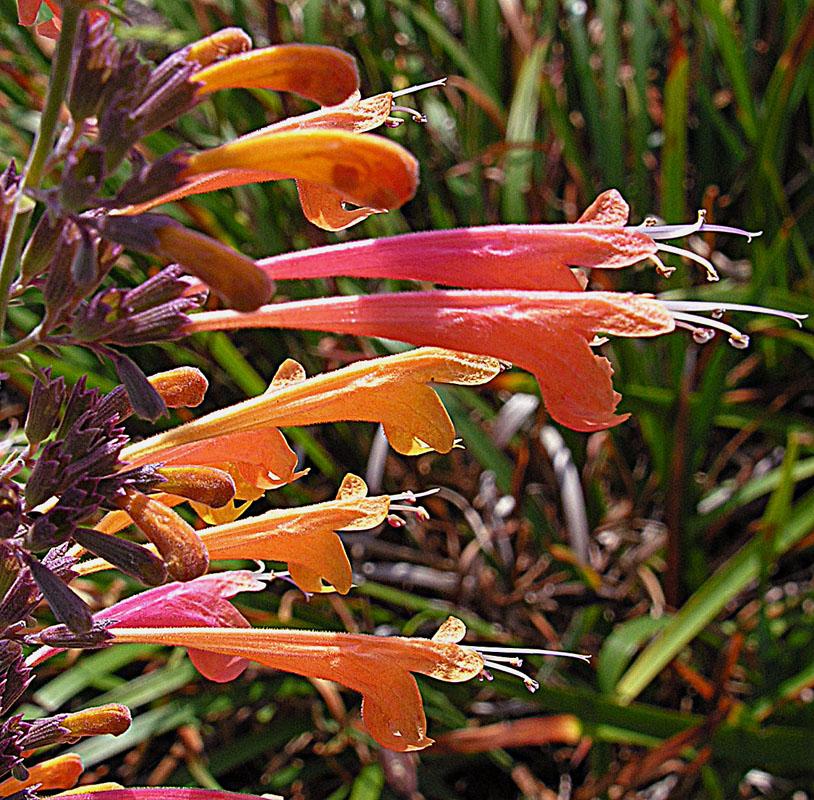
43	142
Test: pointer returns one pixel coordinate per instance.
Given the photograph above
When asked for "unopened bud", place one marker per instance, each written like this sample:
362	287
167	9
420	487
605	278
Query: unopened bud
44	407
208	485
111	718
184	387
176	540
223	43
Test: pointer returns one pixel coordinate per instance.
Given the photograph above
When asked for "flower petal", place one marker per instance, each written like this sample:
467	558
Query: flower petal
389	390
376	666
27	11
323	74
548	333
257	460
609	208
324	208
303	537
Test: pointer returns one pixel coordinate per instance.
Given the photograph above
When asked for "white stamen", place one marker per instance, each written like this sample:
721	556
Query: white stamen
419	87
419	511
411	497
526	651
530	683
417	116
717	308
655	231
736	338
727	229
515	661
712	275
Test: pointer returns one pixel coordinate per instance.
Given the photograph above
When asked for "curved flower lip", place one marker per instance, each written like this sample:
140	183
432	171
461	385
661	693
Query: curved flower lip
200	603
257	460
548	333
390	390
323	74
304	537
378	667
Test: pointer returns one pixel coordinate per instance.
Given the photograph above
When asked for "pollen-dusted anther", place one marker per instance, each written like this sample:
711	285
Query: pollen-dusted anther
208	485
112	718
176	540
507	659
656	231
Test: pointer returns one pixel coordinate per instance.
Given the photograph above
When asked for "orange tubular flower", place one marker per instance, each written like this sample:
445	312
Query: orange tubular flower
305	537
368	171
331	165
548	333
378	667
390	390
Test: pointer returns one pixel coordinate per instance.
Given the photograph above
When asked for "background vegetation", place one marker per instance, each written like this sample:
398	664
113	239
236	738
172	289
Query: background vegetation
698	596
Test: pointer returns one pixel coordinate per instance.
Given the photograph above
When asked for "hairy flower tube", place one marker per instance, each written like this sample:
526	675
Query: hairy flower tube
536	257
379	668
391	390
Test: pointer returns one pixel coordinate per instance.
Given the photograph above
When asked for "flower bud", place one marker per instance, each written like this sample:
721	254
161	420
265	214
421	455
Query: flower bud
208	485
44	406
111	718
176	540
183	387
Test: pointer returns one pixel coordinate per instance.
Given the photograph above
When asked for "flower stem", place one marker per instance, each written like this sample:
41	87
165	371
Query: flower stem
43	142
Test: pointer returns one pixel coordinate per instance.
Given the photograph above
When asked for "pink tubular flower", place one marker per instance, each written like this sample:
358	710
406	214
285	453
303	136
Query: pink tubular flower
157	793
548	333
199	603
491	257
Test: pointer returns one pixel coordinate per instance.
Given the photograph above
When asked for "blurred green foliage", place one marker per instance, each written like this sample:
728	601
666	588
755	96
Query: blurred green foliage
699	599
